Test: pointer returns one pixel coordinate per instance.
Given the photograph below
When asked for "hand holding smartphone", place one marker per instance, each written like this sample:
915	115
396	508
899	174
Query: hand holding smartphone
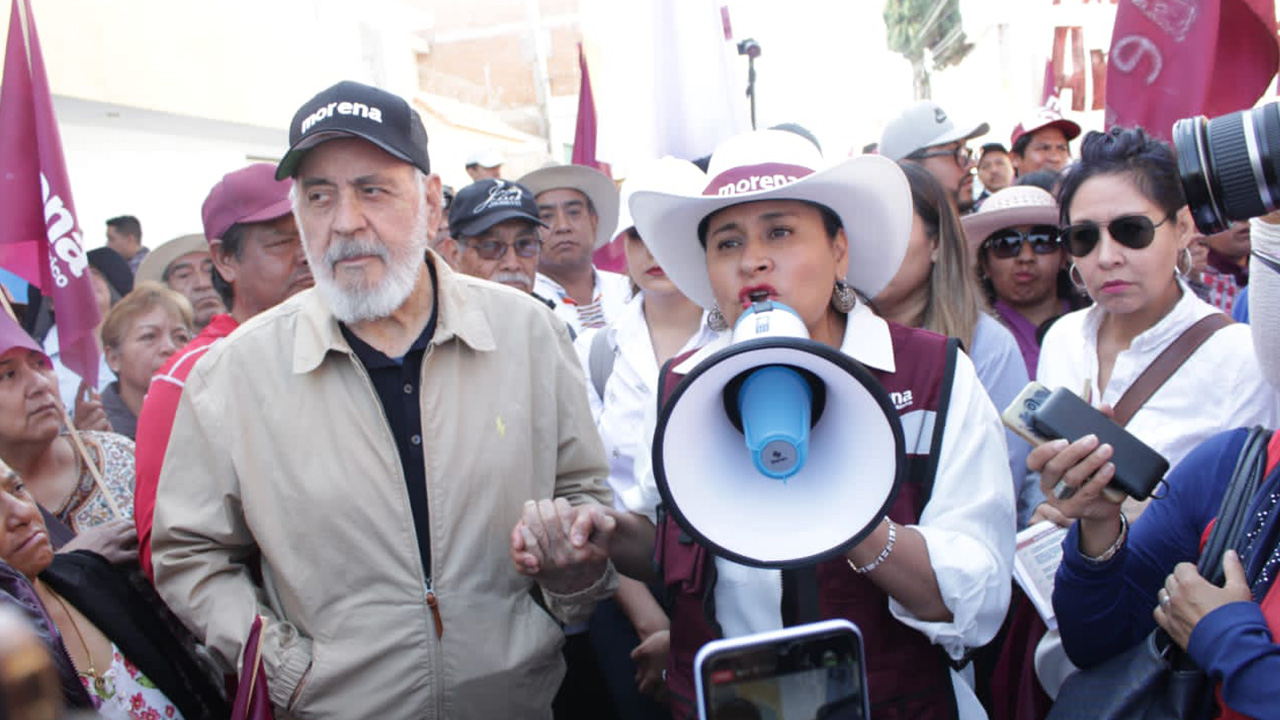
1039	415
808	671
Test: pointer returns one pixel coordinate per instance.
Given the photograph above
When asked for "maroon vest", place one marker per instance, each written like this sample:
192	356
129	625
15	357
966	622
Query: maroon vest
907	675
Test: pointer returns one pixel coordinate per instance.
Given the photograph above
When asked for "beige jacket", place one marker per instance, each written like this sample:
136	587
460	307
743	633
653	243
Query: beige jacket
280	445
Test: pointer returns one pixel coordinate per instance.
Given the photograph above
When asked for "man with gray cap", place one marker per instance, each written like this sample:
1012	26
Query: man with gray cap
579	208
925	135
366	449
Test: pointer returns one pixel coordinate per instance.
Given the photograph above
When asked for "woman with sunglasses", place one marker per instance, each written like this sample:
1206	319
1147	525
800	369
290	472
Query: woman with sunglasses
1125	226
934	289
1022	264
1129	579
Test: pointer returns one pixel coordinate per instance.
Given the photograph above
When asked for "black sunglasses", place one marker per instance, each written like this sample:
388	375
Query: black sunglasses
1007	244
1132	231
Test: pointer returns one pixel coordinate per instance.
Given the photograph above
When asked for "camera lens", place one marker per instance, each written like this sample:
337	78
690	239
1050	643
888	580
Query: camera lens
1228	165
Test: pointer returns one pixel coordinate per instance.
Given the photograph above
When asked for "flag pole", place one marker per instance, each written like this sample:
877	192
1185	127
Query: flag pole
89	463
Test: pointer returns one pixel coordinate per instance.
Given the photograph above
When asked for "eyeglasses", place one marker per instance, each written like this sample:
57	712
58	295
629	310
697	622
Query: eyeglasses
1007	244
962	155
496	249
1132	231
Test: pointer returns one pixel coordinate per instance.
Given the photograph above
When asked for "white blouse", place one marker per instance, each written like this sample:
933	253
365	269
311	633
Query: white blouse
1218	388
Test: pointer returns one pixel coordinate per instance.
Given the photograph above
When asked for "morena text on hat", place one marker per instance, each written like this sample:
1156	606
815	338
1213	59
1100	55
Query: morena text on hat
324	112
755	177
503	194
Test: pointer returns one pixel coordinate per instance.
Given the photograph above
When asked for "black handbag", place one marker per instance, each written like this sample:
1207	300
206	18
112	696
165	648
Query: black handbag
1155	680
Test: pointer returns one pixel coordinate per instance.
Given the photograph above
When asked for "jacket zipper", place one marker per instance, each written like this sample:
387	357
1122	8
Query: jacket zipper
429	595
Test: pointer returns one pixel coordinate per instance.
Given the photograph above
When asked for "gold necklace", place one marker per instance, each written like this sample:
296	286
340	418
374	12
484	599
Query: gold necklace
99	682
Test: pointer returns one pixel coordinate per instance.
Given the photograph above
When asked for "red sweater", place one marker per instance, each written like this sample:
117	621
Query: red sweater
155	423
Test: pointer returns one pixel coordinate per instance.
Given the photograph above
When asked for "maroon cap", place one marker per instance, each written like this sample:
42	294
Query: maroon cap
1042	118
248	195
13	336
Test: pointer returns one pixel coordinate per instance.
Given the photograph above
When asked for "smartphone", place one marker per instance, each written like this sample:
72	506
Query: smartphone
1017	417
1138	468
799	673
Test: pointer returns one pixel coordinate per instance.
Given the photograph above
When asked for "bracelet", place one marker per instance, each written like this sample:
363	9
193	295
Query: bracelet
1115	546
888	548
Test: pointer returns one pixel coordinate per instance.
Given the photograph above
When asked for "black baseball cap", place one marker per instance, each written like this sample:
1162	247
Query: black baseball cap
994	147
481	205
352	109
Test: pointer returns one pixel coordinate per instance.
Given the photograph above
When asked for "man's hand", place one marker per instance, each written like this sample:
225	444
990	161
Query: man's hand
650	657
115	540
89	413
1186	597
565	548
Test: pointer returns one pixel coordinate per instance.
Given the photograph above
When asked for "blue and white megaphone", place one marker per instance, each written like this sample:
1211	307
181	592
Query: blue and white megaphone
778	451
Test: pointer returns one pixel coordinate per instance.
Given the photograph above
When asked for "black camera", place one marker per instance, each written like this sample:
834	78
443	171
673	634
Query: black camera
1230	165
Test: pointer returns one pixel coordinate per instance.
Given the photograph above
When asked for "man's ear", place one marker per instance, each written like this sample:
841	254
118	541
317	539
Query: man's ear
434	197
225	262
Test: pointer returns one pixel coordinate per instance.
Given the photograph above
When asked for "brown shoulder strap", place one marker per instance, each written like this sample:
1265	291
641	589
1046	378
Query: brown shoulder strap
1166	364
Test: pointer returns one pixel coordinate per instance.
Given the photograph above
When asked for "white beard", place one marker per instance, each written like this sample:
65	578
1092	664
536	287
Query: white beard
355	300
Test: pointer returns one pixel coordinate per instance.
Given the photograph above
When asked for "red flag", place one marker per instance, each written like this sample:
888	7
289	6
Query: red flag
40	238
612	256
1171	60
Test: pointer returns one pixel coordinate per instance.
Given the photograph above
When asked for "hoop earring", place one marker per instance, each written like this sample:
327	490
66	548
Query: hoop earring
843	298
1072	273
1186	253
716	320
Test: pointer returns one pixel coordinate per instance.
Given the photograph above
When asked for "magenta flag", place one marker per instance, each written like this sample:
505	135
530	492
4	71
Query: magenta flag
1171	60
40	238
611	256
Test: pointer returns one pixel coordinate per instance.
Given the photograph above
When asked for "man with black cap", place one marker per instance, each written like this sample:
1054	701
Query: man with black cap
495	223
371	443
257	263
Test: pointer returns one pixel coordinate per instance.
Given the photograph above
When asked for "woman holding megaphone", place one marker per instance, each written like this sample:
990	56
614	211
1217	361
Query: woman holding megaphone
928	580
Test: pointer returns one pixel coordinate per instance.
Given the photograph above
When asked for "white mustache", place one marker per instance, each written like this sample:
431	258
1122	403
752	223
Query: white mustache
347	249
512	278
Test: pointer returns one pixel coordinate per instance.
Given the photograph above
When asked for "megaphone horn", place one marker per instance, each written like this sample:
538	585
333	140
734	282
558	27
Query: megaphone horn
778	451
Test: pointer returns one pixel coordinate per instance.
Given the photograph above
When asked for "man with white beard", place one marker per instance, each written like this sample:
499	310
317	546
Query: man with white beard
369	445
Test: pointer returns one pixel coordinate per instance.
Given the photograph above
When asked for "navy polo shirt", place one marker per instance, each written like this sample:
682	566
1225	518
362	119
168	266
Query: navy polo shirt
397	384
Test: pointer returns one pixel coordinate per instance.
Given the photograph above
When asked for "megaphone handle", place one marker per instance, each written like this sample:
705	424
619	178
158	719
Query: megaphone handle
804	593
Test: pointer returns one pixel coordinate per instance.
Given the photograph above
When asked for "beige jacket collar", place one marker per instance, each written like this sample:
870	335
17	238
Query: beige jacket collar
318	333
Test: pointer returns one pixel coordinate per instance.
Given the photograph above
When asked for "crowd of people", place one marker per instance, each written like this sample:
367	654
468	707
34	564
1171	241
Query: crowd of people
411	428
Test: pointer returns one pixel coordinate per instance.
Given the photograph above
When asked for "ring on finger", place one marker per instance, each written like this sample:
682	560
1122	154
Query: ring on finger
1063	491
1165	599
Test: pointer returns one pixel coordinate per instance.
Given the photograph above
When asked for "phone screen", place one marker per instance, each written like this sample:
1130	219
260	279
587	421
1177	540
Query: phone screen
814	678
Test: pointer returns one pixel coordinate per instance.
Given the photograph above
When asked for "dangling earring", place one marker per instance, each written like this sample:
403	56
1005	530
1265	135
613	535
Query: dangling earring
843	298
1072	274
716	321
1186	253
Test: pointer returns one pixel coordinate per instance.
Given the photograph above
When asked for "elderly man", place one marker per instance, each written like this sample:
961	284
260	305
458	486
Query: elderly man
495	223
371	441
925	135
1042	142
184	264
257	264
579	207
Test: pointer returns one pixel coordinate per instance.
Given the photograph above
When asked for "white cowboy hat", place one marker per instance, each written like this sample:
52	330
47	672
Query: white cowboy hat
1011	207
597	186
157	261
666	174
868	193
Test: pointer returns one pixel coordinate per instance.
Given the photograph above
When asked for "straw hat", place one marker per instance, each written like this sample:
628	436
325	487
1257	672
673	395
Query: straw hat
1011	207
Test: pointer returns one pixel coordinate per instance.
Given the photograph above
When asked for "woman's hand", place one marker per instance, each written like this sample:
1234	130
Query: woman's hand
89	413
650	657
1186	597
115	540
1074	480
